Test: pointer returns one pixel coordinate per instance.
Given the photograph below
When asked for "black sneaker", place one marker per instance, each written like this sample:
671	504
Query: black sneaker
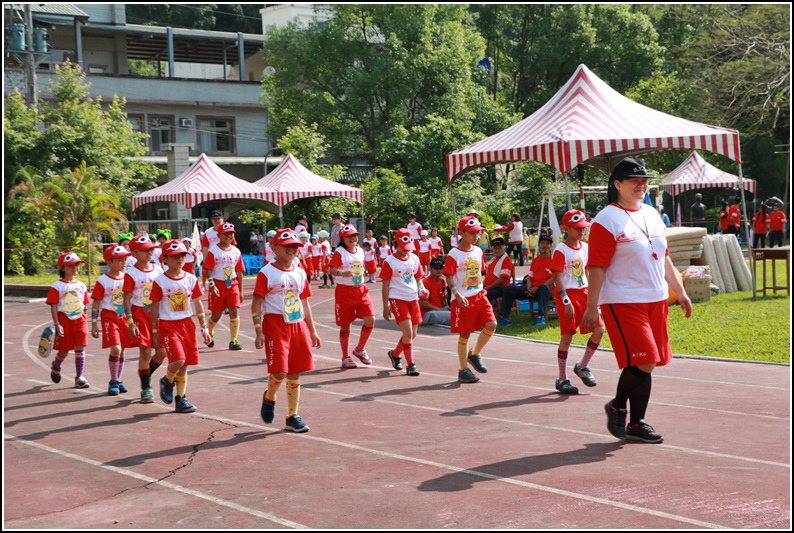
166	390
268	411
642	431
565	387
476	362
183	405
235	345
585	375
295	424
411	370
55	375
395	360
122	388
616	421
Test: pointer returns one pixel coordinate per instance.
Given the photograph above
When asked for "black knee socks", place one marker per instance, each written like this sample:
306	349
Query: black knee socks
634	386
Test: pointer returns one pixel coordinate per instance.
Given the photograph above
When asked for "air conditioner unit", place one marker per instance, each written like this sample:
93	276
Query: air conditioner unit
185	122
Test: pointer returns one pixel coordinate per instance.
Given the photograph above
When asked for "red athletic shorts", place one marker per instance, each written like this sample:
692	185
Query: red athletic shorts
115	331
308	266
143	319
178	337
75	333
228	297
472	318
424	258
579	301
316	263
371	266
352	303
638	333
287	346
434	252
404	310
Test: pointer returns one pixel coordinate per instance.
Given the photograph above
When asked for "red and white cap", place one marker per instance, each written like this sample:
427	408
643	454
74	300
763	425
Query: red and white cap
471	224
141	242
286	237
574	219
423	233
226	227
68	258
115	251
174	247
405	239
348	230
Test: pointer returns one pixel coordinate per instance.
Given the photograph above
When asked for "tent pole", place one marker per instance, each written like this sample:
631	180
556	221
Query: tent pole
747	232
280	217
452	204
363	229
542	206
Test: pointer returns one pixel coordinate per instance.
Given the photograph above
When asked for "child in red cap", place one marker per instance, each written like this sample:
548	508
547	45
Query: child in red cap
281	293
138	281
172	323
470	309
224	266
67	300
569	267
351	295
402	296
108	296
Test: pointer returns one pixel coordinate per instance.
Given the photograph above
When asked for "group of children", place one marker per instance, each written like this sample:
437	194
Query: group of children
154	309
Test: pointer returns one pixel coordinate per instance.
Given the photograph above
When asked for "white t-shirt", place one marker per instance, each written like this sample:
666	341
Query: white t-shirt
139	283
354	262
625	242
224	264
424	246
466	269
110	293
175	295
435	243
403	274
282	292
70	298
416	229
572	262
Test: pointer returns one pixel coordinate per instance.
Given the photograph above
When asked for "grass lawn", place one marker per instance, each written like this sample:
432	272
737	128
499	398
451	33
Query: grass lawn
729	325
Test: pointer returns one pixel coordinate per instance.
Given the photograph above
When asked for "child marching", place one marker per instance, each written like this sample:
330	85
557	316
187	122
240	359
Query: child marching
470	309
108	296
172	324
402	287
352	296
224	266
67	299
370	263
281	294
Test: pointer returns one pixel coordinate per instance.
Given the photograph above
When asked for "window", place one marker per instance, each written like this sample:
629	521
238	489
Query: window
161	129
137	122
215	135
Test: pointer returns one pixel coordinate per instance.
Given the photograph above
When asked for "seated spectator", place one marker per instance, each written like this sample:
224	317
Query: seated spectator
536	285
498	270
435	307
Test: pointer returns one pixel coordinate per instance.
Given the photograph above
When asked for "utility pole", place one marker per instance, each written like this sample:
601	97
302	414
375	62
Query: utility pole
30	63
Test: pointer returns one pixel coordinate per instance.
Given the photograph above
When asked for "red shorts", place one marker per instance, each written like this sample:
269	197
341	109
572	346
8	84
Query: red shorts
326	265
75	333
115	331
403	310
352	303
371	267
287	346
316	262
424	258
472	318
579	301
228	297
638	333
434	252
143	319
308	266
178	337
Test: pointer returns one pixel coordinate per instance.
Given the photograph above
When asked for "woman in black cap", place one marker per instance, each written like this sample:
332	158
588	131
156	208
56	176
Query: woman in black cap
630	270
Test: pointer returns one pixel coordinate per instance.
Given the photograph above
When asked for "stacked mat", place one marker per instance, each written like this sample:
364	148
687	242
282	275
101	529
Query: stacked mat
685	244
729	271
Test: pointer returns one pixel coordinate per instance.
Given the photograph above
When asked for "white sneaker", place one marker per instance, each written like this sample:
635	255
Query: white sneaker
363	356
81	383
349	363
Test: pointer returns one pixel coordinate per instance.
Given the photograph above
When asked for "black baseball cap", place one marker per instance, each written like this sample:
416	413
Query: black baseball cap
629	167
499	241
546	238
215	213
436	262
336	215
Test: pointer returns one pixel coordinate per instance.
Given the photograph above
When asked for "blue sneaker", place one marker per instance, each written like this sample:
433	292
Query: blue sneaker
467	376
296	425
183	406
476	362
268	411
503	321
113	388
166	390
122	388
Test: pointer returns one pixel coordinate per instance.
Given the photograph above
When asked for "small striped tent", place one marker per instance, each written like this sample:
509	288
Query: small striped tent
695	173
589	122
291	181
204	181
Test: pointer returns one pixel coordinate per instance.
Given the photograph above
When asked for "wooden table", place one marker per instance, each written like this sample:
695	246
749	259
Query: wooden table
773	254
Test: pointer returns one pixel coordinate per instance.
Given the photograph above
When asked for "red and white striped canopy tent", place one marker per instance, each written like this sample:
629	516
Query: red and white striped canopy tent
202	182
589	122
291	181
696	173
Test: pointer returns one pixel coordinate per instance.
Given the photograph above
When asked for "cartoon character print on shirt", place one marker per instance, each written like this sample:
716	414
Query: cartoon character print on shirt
146	292
72	305
577	271
228	271
473	276
117	301
406	277
179	301
357	270
293	310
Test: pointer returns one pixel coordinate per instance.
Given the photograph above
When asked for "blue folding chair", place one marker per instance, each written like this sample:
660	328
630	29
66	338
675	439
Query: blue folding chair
248	262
